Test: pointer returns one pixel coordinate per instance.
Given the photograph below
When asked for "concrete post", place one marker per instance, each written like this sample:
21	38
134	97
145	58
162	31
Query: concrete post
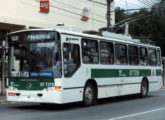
163	72
126	29
3	69
163	62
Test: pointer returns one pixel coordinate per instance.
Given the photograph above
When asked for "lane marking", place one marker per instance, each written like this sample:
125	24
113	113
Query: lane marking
141	113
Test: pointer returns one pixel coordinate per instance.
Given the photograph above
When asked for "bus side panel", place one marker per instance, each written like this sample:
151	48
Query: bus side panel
72	95
129	89
155	83
105	92
118	86
118	90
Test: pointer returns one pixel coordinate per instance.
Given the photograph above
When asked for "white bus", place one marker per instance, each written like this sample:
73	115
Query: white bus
55	66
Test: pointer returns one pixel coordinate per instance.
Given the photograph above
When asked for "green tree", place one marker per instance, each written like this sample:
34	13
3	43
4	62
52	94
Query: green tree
152	27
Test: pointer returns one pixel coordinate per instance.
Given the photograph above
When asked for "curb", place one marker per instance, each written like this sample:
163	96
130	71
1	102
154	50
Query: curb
162	88
2	99
5	102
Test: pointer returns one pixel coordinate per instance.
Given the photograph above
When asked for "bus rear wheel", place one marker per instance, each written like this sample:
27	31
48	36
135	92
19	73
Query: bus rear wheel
88	95
144	89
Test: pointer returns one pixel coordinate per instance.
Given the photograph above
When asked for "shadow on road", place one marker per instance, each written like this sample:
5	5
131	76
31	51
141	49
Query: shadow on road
122	99
78	105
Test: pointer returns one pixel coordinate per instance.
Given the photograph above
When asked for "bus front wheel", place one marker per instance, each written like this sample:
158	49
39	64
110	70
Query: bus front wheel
89	95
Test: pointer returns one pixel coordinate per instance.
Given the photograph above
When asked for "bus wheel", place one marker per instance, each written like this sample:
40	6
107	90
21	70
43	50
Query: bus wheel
89	95
144	89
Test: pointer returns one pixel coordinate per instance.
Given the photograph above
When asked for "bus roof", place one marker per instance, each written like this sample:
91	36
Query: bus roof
89	36
104	38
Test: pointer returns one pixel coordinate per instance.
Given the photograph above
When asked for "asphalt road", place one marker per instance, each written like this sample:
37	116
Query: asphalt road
118	108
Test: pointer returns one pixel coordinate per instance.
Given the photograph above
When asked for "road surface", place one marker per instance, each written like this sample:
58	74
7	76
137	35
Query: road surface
118	108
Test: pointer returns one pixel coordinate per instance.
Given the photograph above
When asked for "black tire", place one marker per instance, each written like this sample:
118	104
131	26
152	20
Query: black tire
44	105
89	95
144	89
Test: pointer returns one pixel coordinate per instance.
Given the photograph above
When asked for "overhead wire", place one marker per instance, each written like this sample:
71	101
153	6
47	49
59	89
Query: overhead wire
76	8
100	3
91	3
128	4
149	2
72	12
55	12
145	3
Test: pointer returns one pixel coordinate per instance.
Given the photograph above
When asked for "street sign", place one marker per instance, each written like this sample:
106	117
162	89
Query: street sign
44	6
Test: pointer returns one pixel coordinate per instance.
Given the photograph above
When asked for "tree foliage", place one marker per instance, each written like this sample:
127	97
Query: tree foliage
152	27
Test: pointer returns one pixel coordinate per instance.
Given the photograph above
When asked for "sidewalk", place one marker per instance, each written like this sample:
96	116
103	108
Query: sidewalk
2	99
163	88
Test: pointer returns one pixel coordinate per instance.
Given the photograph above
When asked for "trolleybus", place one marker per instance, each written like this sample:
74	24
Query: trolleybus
58	66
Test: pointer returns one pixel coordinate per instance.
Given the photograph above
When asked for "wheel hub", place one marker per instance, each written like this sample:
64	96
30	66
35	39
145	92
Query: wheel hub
88	94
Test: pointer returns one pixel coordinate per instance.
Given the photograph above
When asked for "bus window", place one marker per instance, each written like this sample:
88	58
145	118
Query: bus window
106	53
71	59
158	58
143	56
90	51
121	54
152	57
133	55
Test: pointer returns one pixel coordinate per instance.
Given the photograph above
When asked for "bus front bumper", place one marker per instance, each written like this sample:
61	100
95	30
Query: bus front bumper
34	96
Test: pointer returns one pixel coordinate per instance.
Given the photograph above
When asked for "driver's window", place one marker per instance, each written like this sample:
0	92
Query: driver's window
71	59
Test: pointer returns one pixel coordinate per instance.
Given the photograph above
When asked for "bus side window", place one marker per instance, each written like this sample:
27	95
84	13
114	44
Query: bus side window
133	55
71	59
106	53
158	58
152	57
90	51
143	56
121	54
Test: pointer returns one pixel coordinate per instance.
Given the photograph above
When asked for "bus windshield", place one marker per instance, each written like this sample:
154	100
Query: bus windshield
35	54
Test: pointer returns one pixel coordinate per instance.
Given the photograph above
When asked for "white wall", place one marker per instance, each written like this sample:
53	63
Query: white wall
27	12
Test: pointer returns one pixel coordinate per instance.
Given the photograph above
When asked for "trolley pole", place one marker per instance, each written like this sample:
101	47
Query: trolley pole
109	14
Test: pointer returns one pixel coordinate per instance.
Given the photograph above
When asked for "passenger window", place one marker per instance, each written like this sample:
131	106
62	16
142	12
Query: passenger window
152	57
90	51
71	59
106	53
143	56
121	54
133	55
158	58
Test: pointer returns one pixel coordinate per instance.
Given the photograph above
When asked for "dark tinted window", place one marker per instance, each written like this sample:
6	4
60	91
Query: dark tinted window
71	60
152	57
158	58
90	51
36	52
106	53
143	56
133	55
121	54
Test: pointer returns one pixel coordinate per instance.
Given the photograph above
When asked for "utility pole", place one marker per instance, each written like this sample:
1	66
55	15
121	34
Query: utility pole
3	68
109	14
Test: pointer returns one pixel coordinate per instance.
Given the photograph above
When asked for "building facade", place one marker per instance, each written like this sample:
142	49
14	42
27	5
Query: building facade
77	15
71	14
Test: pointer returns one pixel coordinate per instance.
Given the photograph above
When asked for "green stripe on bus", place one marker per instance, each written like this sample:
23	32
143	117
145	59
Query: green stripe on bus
31	83
158	72
108	73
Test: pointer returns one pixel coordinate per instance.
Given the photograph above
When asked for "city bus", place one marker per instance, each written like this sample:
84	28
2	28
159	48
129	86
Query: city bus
58	66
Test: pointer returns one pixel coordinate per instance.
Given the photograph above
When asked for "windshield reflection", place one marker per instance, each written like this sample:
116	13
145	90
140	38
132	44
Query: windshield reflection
41	56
